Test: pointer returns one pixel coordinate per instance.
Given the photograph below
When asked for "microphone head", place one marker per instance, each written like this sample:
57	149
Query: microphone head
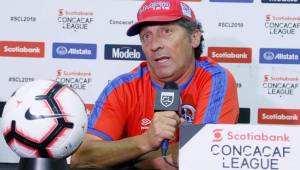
168	98
170	85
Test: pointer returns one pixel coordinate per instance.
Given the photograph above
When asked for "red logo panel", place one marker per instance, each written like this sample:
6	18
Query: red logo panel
22	49
230	55
278	116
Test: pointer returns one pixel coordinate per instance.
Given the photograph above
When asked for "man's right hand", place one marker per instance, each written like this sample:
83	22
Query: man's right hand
163	126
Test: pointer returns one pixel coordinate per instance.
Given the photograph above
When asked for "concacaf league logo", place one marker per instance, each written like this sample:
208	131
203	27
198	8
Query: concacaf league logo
167	98
75	20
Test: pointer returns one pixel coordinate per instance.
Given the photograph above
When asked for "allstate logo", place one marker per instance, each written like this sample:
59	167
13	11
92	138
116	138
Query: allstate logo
269	55
74	50
217	135
61	50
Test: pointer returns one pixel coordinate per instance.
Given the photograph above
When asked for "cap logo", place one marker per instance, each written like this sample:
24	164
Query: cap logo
158	5
186	10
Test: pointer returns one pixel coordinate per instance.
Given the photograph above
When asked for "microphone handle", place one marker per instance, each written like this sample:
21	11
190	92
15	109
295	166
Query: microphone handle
164	147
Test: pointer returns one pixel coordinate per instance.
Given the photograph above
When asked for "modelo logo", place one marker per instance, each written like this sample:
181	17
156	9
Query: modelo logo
74	50
279	56
123	52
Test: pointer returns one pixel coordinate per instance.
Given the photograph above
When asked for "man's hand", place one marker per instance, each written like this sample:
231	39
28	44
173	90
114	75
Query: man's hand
163	126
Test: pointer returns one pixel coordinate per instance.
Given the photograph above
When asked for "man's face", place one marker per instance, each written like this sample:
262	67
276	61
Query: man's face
169	50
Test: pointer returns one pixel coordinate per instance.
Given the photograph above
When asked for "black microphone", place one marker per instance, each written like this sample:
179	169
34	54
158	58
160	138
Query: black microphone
167	99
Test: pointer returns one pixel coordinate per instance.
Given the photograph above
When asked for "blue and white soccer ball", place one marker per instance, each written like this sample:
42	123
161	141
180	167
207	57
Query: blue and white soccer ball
45	119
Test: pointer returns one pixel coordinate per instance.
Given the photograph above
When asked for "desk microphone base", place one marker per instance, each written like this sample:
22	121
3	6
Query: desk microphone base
42	164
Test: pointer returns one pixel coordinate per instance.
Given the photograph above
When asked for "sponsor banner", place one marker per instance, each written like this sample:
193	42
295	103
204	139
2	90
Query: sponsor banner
230	54
75	20
278	116
123	52
74	51
246	147
282	25
77	80
237	1
22	49
280	85
279	56
281	1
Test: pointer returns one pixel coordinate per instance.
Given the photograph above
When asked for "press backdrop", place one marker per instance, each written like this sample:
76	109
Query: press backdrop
83	43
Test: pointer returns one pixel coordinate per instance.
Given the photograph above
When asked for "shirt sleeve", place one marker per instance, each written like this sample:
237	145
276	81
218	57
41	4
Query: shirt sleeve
108	117
218	100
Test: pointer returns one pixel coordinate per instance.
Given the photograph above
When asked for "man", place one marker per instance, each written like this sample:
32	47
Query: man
123	126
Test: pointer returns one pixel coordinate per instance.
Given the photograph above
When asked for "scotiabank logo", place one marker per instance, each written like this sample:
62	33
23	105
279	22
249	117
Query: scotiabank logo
279	56
220	134
230	55
217	133
123	52
22	49
256	136
278	116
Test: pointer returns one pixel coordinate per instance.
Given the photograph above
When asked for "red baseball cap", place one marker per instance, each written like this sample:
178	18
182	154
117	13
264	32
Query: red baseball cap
160	11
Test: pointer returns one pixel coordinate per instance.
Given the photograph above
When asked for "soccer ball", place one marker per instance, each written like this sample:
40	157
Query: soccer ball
44	119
